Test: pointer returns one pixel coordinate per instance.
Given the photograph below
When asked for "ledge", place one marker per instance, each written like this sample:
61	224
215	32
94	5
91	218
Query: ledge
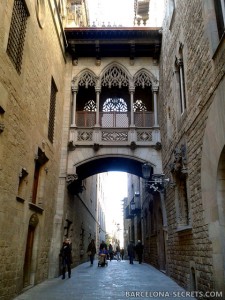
19	199
184	228
36	208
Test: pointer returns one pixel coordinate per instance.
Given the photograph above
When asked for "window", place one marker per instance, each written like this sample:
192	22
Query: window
180	78
17	33
170	12
214	11
90	106
115	104
41	160
182	201
220	16
22	184
52	112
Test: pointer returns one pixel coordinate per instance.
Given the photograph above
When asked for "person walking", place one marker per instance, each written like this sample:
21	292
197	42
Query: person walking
131	252
103	245
66	257
139	250
118	253
110	252
122	253
91	250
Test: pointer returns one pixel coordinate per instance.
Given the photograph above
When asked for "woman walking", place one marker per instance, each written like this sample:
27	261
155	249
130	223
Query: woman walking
91	251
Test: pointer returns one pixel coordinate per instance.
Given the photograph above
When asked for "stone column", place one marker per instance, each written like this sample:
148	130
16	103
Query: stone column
74	102
131	90
155	92
97	90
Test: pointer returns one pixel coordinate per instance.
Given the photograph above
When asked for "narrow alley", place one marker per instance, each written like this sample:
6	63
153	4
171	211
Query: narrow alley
118	280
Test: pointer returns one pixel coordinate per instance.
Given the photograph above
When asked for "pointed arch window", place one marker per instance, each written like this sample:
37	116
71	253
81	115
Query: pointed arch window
90	106
139	106
114	105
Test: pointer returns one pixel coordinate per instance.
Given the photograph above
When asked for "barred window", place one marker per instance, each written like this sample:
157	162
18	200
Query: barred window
17	33
51	122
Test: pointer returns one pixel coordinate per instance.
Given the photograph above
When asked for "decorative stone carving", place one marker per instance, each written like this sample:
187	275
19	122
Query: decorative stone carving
158	146
179	165
70	178
71	146
33	220
142	79
144	136
115	76
87	79
133	145
85	135
96	147
113	136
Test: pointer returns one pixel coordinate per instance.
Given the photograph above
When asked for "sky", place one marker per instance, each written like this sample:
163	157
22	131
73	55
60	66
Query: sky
121	12
115	190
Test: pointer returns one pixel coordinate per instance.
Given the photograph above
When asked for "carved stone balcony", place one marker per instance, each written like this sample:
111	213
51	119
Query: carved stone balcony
114	129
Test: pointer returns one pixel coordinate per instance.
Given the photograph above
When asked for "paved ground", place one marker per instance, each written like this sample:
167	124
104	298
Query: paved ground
119	280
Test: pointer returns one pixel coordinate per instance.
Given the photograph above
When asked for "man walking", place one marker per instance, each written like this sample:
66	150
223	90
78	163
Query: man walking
66	256
139	250
130	251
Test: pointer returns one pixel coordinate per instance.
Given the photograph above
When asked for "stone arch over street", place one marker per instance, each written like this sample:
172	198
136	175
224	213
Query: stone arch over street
105	163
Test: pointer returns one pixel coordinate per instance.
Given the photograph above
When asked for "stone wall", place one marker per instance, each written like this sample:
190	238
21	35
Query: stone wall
189	249
25	101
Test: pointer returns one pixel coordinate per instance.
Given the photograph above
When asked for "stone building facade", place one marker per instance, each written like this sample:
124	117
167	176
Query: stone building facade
42	149
32	68
192	107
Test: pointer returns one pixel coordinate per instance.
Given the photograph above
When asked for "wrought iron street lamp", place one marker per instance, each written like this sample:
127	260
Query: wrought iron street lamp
158	182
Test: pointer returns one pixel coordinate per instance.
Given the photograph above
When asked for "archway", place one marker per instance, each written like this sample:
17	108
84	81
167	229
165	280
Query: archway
212	183
105	164
29	250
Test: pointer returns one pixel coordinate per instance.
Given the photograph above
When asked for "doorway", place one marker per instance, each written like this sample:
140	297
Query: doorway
29	250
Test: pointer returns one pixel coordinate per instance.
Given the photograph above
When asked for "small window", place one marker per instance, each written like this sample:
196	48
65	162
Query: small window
170	12
180	79
51	123
214	12
40	161
17	33
220	16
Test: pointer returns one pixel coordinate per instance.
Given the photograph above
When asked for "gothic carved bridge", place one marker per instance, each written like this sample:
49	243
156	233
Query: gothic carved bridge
114	117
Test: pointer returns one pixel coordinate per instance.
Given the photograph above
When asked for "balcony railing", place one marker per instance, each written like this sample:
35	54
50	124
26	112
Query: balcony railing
114	119
114	128
85	119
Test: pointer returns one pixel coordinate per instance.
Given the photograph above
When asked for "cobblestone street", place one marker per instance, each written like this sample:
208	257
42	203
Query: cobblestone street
118	280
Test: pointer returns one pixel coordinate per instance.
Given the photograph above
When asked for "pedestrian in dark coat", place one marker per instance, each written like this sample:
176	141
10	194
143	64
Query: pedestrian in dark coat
91	250
110	252
131	252
122	253
139	250
66	257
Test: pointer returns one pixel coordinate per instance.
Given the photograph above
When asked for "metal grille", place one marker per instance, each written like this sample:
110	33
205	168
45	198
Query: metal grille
17	33
144	119
114	119
85	119
52	111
